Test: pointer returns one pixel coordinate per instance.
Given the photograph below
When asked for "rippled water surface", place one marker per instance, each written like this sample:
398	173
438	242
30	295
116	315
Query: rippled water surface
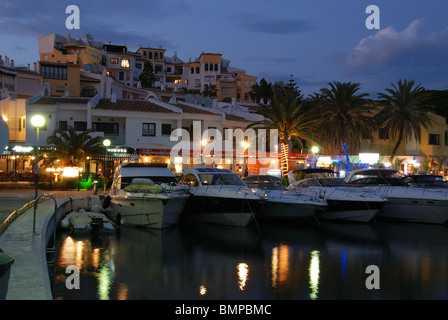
301	260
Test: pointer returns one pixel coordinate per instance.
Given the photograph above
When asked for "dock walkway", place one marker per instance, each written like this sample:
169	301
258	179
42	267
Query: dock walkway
29	278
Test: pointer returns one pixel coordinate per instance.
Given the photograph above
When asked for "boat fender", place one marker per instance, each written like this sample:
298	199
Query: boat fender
95	208
106	202
321	193
146	181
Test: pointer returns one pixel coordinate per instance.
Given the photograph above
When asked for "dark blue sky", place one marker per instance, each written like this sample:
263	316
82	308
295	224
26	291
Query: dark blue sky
316	41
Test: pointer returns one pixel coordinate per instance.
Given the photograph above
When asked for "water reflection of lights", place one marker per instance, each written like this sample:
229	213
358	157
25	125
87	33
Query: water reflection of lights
79	257
104	281
202	290
81	254
243	275
279	265
314	274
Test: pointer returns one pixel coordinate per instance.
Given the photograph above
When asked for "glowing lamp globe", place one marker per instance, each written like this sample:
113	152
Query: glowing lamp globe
37	121
106	142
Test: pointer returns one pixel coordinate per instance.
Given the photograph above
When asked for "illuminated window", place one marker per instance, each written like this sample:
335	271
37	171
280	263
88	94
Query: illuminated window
114	60
125	63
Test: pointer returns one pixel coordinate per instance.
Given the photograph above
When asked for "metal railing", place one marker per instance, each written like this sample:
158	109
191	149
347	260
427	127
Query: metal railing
17	213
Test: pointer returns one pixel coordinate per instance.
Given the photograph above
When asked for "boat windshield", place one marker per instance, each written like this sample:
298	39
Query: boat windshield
216	179
426	180
322	182
332	182
264	182
377	177
125	181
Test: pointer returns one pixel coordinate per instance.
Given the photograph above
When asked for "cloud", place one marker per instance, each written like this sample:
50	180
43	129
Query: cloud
105	19
276	26
391	51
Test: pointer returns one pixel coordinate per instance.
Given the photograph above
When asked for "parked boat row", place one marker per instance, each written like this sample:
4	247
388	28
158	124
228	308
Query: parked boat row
149	195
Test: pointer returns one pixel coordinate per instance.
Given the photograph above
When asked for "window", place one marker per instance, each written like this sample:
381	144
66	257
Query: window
148	129
156	55
166	129
149	55
80	126
383	133
108	128
192	70
113	60
125	63
446	138
63	125
434	139
190	180
88	92
198	70
138	65
206	67
54	72
121	75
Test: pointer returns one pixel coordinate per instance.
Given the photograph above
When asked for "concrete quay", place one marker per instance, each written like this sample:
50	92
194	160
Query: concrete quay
29	278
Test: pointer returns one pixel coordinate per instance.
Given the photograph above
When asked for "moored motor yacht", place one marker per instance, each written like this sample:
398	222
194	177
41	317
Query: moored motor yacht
426	181
219	196
146	195
281	203
406	203
344	202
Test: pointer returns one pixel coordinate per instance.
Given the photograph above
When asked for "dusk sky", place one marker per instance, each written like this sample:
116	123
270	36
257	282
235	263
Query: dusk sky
315	41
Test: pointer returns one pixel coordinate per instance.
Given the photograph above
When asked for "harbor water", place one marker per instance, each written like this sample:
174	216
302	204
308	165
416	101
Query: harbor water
304	260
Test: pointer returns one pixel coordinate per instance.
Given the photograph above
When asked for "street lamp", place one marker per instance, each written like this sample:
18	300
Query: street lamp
106	143
245	145
37	121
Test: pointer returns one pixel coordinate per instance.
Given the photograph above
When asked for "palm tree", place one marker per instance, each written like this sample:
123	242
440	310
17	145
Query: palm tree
71	147
210	91
286	114
345	115
406	111
261	91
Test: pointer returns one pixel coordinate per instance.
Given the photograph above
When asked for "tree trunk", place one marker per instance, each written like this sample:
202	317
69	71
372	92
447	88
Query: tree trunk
392	156
284	157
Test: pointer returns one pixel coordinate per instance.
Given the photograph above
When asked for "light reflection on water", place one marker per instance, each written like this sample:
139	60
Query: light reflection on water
279	261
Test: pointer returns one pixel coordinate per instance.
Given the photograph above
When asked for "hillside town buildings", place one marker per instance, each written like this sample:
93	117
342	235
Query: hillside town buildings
88	84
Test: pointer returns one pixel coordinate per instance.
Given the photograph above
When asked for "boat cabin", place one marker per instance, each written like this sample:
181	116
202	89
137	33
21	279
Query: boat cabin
204	176
158	173
374	177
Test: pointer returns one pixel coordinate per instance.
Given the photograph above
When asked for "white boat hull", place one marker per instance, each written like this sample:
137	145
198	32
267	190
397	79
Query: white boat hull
413	210
145	211
232	205
82	222
413	204
284	210
236	219
351	215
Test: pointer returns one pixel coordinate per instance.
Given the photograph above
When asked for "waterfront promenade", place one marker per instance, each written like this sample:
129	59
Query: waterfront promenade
29	277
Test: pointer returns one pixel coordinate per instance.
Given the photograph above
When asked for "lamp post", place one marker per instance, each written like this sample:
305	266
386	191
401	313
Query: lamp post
203	145
37	121
245	145
106	143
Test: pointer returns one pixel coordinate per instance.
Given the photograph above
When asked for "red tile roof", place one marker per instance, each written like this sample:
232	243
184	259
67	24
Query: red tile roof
131	105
